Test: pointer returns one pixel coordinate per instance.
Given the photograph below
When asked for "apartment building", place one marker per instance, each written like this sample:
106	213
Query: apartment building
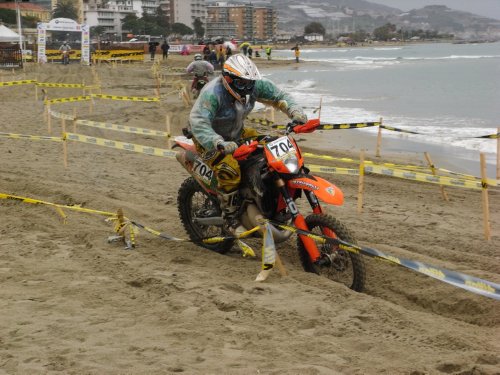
241	21
186	11
110	17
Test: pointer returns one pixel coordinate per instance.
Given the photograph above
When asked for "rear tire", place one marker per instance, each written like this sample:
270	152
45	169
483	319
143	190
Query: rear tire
347	268
193	202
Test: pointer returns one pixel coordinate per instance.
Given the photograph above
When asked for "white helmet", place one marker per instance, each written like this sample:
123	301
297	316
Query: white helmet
198	57
239	75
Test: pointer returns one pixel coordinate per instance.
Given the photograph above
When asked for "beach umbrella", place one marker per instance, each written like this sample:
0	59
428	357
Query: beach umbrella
230	45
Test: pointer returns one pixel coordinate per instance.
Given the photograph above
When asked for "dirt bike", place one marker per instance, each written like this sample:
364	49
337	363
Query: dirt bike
274	177
198	83
65	57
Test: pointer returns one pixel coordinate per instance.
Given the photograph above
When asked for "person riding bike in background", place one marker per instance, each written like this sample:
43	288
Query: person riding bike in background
65	49
216	122
201	70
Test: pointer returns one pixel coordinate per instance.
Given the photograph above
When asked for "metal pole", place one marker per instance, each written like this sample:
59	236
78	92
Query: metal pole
19	28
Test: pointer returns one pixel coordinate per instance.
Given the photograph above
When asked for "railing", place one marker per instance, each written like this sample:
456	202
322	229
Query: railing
11	58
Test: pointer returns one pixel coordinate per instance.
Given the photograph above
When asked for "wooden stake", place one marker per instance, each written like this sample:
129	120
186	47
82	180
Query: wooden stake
74	119
486	209
433	170
272	114
65	146
169	136
280	266
498	154
91	106
379	139
49	120
36	93
361	186
319	110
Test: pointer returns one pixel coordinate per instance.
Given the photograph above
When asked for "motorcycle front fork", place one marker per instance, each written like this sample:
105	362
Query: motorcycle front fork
299	220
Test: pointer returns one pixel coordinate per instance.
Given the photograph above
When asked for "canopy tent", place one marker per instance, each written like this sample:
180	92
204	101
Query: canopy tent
7	35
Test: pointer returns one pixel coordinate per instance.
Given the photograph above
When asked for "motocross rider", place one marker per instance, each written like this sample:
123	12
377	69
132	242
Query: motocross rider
65	48
200	68
216	122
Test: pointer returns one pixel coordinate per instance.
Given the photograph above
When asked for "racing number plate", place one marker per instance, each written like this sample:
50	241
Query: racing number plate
203	171
281	147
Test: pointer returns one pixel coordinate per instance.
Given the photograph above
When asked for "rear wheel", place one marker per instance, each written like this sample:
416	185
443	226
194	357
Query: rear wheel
194	202
346	267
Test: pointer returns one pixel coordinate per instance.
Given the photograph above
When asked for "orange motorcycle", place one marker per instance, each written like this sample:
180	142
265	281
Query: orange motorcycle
274	177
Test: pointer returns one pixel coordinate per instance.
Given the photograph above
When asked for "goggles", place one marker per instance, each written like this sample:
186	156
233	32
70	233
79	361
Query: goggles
243	84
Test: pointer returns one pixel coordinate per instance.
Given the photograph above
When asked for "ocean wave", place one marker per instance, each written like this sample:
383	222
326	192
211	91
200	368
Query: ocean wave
387	48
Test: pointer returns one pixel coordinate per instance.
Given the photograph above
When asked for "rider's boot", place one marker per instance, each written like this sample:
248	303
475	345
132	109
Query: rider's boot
230	205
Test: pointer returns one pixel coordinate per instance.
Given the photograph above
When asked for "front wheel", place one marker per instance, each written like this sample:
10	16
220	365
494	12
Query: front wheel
193	202
346	267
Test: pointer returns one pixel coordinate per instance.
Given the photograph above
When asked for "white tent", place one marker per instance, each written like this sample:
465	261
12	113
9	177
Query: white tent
7	35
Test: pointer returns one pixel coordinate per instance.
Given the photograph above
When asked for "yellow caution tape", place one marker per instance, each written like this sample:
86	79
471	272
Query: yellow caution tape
37	201
33	137
399	130
129	98
423	177
491	136
262	121
16	83
67	100
121	145
66	85
332	170
472	284
61	115
356	125
122	128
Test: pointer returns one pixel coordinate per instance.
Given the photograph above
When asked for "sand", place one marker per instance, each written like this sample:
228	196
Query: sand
72	303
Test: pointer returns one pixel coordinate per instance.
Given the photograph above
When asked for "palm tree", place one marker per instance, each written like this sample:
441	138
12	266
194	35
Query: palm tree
66	9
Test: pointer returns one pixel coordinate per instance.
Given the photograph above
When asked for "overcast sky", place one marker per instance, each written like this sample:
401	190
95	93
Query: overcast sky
488	8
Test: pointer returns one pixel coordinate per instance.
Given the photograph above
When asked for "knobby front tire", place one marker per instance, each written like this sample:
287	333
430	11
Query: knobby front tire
347	268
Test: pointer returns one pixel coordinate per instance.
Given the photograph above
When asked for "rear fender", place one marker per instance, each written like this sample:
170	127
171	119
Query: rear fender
324	190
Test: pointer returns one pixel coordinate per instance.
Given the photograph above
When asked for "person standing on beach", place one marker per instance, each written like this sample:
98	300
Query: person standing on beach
216	122
297	52
268	53
165	47
152	50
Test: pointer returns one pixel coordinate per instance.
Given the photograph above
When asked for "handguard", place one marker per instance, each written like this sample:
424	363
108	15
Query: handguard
245	150
308	127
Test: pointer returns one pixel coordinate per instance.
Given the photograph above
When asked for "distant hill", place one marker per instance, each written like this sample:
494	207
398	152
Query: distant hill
341	16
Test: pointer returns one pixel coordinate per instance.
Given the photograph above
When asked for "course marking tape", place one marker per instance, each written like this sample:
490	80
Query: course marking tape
472	284
423	177
492	136
61	115
399	130
33	137
154	151
67	100
348	160
122	128
338	126
128	98
333	170
16	83
37	201
392	165
66	85
262	121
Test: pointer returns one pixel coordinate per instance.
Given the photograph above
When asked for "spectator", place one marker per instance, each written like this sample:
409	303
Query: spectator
268	53
165	47
152	50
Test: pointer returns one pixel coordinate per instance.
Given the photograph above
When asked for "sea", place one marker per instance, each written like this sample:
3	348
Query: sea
450	93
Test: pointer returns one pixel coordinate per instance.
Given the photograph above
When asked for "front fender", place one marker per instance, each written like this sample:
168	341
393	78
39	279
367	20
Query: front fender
323	189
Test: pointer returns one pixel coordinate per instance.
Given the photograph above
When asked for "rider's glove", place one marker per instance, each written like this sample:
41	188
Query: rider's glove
298	116
226	147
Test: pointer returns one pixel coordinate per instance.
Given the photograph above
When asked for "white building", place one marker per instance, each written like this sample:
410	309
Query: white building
110	17
186	11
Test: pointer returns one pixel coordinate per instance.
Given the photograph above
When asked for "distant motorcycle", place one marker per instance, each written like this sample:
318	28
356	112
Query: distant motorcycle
65	57
198	83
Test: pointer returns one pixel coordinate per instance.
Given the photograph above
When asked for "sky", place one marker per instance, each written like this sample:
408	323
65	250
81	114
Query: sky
487	8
